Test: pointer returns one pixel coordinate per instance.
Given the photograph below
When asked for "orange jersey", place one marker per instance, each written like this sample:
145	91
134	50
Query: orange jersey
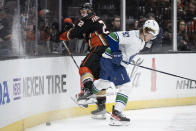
91	28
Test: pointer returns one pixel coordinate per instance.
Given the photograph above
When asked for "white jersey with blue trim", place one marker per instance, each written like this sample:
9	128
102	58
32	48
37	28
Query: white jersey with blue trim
129	43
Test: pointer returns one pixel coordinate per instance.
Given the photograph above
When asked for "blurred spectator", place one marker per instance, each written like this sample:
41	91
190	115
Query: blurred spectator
5	25
115	23
182	37
191	10
194	42
43	20
5	33
44	36
54	38
180	10
191	22
167	39
136	25
29	32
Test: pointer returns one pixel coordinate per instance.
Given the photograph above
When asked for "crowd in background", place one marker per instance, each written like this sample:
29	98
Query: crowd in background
6	18
161	10
48	27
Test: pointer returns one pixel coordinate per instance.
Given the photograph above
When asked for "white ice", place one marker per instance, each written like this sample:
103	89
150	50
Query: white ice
180	118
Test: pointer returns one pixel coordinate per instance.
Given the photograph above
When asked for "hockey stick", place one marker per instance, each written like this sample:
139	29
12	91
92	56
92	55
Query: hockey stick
159	71
69	52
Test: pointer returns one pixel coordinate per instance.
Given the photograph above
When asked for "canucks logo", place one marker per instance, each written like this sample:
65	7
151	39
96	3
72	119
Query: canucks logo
126	34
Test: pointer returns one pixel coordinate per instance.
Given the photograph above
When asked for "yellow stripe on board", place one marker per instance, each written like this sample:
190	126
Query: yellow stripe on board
77	111
47	116
161	103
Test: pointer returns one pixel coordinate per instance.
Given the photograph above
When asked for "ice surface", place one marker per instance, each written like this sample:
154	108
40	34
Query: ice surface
181	118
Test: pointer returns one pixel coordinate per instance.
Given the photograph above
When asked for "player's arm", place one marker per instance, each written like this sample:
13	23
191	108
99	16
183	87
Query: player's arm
117	55
77	32
113	50
116	38
113	41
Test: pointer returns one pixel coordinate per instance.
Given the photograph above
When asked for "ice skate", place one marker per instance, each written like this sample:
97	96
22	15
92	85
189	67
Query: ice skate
86	98
75	100
100	112
117	119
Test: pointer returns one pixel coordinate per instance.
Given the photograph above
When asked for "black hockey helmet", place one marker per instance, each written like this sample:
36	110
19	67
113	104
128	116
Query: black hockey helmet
86	6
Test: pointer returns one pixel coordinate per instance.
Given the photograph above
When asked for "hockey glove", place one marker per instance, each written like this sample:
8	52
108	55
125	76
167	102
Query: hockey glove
67	26
63	36
116	57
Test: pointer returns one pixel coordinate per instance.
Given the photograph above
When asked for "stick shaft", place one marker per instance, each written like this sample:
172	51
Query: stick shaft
164	72
69	52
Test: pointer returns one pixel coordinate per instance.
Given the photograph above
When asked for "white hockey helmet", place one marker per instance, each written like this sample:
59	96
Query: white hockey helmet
153	25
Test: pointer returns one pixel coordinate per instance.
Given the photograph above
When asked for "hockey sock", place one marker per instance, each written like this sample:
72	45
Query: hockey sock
122	96
101	100
121	101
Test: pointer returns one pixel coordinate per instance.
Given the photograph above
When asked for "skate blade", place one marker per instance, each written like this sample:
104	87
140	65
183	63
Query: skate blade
98	117
81	105
87	102
118	123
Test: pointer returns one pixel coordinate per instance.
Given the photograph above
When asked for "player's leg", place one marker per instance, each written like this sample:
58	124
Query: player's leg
118	118
122	81
87	81
89	70
99	88
100	112
105	75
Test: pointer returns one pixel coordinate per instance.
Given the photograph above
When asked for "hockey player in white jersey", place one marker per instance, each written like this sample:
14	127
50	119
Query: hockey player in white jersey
123	46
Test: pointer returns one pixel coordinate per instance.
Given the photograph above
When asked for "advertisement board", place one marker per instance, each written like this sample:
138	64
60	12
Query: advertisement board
34	86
